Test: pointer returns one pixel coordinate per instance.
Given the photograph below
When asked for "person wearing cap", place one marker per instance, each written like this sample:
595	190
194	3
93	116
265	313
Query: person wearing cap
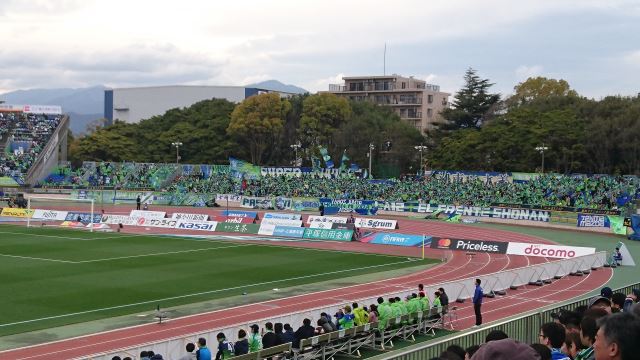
600	302
552	335
477	302
606	292
255	341
505	349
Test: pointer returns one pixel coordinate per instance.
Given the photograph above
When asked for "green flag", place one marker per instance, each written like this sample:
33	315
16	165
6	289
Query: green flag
617	225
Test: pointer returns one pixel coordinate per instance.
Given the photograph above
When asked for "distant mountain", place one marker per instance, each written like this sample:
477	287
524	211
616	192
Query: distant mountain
83	105
276	85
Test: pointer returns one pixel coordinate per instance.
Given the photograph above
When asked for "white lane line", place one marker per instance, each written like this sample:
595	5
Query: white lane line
37	258
158	254
200	293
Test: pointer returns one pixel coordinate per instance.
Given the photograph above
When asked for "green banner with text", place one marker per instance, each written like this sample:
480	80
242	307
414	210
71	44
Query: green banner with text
328	234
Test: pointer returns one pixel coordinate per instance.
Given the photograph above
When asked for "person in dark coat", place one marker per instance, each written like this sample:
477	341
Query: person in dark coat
288	336
269	339
304	332
241	346
277	329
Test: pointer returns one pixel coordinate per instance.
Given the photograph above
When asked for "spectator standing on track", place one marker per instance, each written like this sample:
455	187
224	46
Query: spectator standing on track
421	289
552	335
241	346
225	348
138	201
189	355
255	341
444	300
477	302
203	352
269	339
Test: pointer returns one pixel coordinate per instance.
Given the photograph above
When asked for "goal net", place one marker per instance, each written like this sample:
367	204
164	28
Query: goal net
62	212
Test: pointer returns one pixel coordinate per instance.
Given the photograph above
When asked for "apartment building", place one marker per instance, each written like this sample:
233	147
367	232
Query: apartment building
415	101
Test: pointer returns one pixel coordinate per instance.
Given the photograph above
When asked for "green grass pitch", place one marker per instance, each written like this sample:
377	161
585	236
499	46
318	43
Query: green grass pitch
51	277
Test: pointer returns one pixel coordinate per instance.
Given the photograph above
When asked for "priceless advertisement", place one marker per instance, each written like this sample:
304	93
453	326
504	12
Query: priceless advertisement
593	221
546	250
400	239
197	225
485	246
12	212
328	234
376	223
190	217
50	215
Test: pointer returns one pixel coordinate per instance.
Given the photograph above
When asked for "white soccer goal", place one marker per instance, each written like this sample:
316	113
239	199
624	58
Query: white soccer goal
62	211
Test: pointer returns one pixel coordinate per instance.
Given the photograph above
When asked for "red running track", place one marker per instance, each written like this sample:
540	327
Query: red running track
460	266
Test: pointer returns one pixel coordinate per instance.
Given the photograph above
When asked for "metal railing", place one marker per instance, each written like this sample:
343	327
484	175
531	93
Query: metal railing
523	328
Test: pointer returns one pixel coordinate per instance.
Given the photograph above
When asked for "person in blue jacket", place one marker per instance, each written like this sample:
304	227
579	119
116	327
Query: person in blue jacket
203	352
477	302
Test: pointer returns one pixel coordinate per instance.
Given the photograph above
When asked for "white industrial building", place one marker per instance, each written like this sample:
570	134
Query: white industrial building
134	104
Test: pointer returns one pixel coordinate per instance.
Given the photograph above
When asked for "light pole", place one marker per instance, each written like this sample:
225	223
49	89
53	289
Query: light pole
177	144
421	148
542	149
371	147
295	148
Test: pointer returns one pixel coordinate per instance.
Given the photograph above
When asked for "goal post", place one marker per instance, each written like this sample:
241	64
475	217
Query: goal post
58	210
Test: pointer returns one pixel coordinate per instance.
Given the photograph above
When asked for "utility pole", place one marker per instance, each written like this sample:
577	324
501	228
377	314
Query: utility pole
542	149
371	147
421	148
295	148
177	144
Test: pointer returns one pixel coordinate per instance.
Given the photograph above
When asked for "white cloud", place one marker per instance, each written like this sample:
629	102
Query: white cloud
632	58
523	72
323	84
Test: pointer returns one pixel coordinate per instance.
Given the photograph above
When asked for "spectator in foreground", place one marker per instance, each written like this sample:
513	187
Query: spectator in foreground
543	351
144	355
495	335
203	352
456	349
618	337
241	346
304	332
505	349
600	302
190	347
552	335
631	299
617	302
572	344
470	351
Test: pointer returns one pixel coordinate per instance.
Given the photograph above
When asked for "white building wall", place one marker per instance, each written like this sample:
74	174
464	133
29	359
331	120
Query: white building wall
134	104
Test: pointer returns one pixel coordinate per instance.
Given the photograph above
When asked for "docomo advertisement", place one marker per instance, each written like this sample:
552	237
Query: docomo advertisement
376	223
190	217
550	251
147	214
49	215
326	219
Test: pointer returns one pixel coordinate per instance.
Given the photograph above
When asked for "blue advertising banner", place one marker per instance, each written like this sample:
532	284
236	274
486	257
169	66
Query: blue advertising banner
84	217
363	207
585	220
288	231
240	213
400	239
283	216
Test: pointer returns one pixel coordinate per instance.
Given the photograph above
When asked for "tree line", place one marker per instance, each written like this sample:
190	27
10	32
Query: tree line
482	132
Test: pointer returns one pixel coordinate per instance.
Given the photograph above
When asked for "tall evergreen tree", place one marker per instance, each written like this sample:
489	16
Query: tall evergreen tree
471	104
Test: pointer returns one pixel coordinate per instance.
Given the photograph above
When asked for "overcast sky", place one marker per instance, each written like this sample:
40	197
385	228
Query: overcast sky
594	45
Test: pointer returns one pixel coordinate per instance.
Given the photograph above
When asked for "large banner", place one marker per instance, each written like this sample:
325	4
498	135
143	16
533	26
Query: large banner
190	217
8	181
239	228
400	239
476	211
468	176
119	219
13	212
326	219
299	171
284	222
328	234
234	219
305	204
196	225
161	223
239	213
286	216
288	231
485	246
278	203
601	221
546	250
243	170
50	215
147	214
363	207
83	217
376	223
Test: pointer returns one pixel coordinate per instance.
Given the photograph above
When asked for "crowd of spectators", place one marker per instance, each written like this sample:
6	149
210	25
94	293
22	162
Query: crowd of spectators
24	136
607	328
594	192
